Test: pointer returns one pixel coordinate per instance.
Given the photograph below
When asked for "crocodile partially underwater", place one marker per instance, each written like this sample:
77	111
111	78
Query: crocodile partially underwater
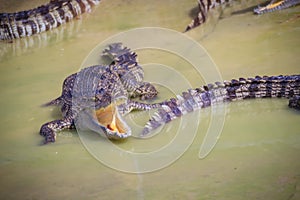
204	6
43	18
104	94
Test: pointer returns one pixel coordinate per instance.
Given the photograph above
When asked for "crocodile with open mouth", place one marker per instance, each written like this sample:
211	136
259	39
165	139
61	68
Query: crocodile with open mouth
101	93
204	96
101	87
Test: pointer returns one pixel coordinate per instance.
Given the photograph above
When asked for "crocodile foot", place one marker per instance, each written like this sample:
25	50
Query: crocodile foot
49	129
48	133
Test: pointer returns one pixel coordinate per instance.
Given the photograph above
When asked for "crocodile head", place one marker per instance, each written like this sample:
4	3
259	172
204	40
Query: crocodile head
106	121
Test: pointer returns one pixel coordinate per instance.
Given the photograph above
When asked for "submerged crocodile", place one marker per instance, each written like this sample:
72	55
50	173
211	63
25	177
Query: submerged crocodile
102	88
206	5
43	18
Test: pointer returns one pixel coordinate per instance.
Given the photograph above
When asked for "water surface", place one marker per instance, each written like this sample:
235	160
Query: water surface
256	156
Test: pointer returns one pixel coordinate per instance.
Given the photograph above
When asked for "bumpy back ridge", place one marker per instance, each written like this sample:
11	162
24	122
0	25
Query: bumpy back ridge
125	64
43	18
275	5
194	99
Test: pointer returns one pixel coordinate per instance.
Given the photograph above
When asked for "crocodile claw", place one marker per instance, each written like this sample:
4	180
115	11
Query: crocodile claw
48	133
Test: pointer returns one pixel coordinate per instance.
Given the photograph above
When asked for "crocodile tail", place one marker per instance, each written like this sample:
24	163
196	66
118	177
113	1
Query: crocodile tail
263	87
204	6
194	99
277	5
201	16
54	102
43	18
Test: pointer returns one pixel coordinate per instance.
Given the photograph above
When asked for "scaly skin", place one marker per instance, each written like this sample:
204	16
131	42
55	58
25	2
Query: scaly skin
294	102
276	5
206	5
103	91
98	87
43	18
194	99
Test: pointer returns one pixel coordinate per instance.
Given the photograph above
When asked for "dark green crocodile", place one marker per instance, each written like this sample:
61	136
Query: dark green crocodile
43	18
206	5
102	88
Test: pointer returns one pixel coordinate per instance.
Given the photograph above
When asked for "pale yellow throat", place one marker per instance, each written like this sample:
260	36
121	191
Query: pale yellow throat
108	117
113	126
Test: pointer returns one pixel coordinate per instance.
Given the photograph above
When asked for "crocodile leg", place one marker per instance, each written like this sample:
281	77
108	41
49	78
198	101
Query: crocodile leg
145	91
49	129
130	105
276	5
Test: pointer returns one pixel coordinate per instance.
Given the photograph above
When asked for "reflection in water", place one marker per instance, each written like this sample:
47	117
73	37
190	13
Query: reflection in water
33	43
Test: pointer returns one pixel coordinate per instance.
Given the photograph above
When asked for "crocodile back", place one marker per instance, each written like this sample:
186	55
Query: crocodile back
97	86
124	62
43	18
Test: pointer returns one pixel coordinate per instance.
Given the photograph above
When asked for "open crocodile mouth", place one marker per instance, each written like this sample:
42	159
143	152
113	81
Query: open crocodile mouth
112	123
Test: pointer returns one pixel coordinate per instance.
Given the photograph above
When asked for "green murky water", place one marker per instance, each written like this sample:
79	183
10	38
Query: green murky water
256	157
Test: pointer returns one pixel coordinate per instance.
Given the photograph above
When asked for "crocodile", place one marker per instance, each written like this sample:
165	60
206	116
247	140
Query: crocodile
57	12
43	18
227	91
101	87
208	95
205	5
104	94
